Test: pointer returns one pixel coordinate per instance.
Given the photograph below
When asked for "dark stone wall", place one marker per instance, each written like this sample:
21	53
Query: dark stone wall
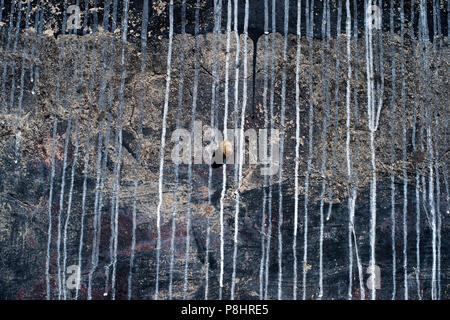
93	60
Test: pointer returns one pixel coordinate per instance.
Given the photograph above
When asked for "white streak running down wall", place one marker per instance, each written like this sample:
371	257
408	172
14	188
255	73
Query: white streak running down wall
194	109
241	152
69	209
22	83
6	55
225	134
280	172
392	158
120	124
83	210
347	148
269	201
373	116
326	97
101	166
217	36
405	177
336	108
139	145
297	147
309	12
417	180
179	107
163	145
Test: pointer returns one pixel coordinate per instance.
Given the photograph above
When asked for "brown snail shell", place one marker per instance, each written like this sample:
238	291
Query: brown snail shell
226	150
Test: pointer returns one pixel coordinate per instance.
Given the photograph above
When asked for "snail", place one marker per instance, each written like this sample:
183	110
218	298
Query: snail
224	151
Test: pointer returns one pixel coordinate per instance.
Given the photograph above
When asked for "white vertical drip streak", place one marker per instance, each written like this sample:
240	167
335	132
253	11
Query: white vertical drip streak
214	114
439	217
22	82
83	211
336	109
94	257
69	208
325	90
102	102
121	101
347	148
448	17
236	104
438	225
55	124
429	149
417	180
297	147
356	156
75	159
98	207
113	201
309	12
225	134
405	177
61	50
113	211
35	38
61	273
444	169
241	151
432	209
144	29
101	167
61	206
436	35
372	124
266	124
163	144
50	199
39	40
116	215
280	172
380	83
269	202
194	108
180	102
1	11
215	80
13	68
392	158
6	55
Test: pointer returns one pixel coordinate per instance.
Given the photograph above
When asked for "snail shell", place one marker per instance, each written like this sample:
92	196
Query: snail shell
226	148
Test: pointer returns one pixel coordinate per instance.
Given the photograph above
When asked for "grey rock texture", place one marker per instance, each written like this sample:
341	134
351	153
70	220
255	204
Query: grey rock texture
27	148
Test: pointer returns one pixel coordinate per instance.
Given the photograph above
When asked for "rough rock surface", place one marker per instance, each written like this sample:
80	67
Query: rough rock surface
27	148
